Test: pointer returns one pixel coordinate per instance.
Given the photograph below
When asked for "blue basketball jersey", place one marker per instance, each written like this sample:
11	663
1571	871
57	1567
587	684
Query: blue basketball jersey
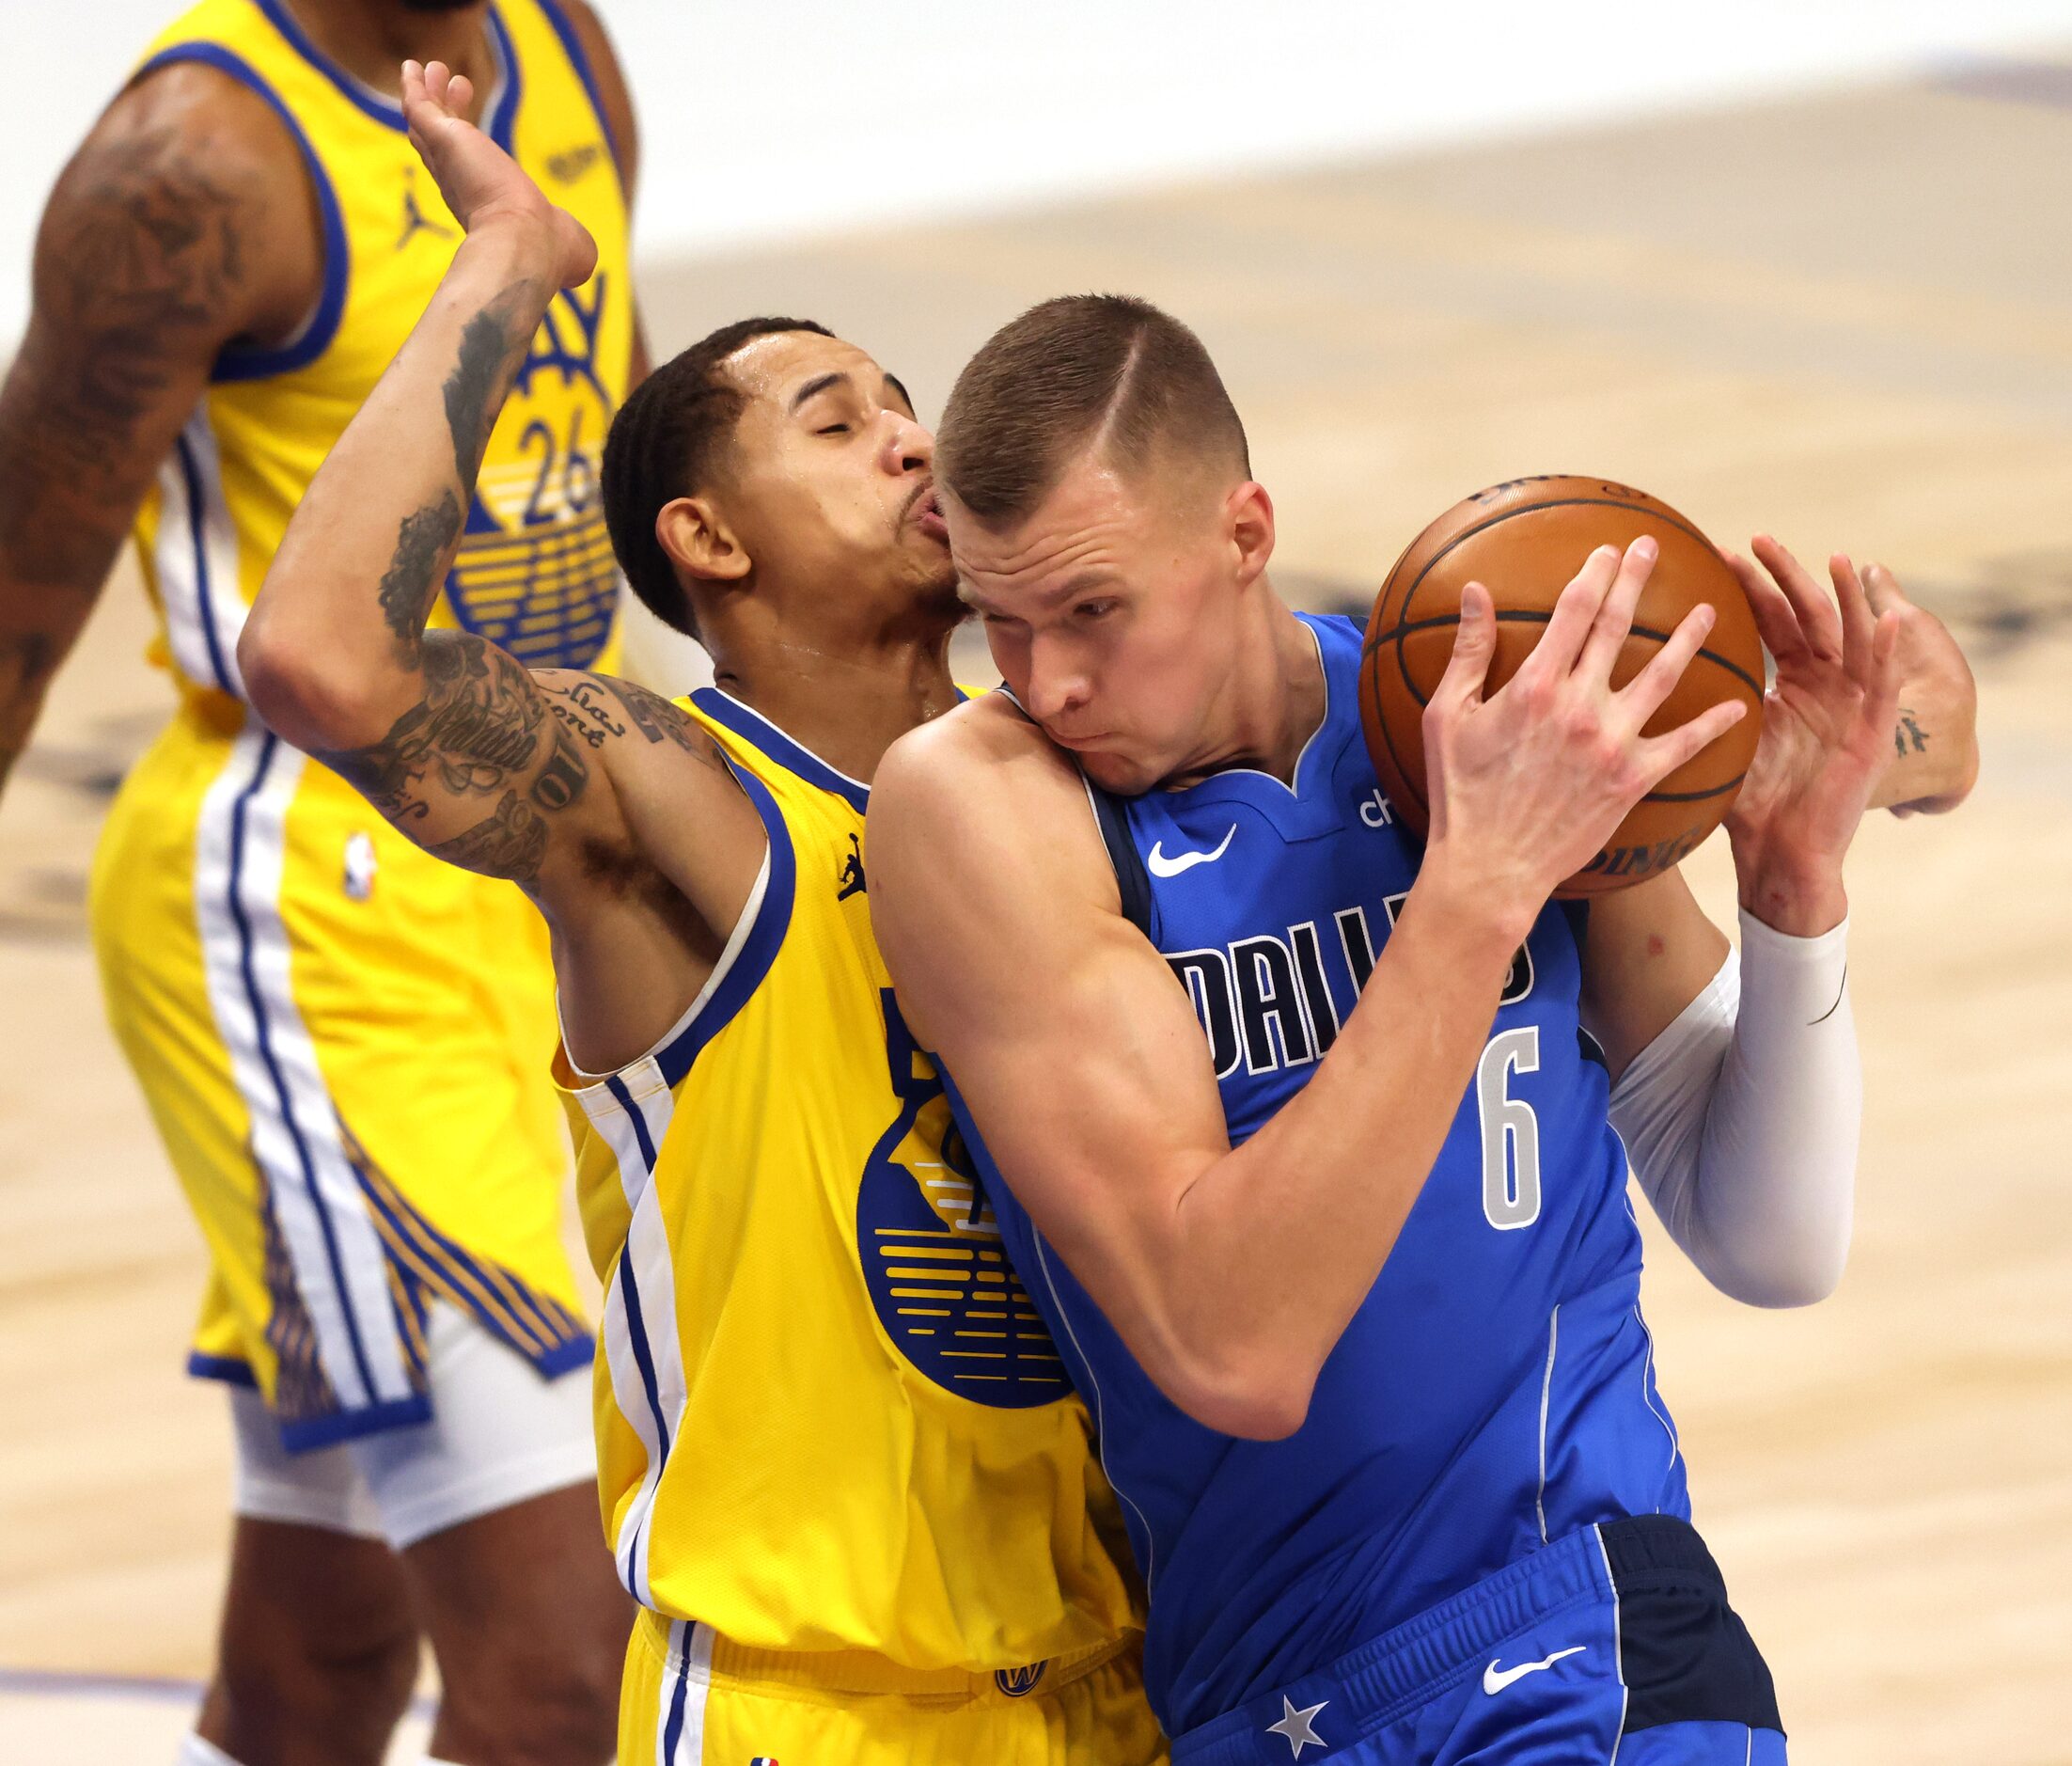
1494	1390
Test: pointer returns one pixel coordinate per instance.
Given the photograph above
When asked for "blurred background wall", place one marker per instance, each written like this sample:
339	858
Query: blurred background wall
773	119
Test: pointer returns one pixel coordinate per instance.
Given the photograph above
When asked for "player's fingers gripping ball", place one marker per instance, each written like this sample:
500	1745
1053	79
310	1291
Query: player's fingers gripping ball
1524	541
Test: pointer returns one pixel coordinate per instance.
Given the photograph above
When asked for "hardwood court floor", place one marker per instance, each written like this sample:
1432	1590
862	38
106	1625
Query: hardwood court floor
1846	319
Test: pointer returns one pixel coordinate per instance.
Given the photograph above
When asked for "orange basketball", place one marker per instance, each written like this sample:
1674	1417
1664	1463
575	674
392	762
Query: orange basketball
1525	540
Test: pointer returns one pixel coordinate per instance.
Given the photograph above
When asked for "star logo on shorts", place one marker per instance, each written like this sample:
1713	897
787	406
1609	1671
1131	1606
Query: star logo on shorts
1296	1727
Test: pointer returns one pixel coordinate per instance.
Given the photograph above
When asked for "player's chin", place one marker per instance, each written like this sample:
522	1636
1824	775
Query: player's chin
1111	769
927	554
935	581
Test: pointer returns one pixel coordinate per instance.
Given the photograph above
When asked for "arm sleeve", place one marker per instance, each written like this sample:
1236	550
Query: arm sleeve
1742	1119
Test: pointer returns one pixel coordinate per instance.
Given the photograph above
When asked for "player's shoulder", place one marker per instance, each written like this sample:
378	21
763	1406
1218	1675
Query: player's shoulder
608	714
191	119
188	190
984	759
989	806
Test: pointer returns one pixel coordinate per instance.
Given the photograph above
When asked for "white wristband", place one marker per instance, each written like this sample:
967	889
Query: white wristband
1742	1119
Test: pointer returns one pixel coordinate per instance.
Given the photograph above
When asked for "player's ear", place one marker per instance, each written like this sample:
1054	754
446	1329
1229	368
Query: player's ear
699	540
1249	512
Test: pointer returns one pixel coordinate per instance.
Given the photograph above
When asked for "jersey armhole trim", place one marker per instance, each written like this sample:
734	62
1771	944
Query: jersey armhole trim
314	336
715	1010
1140	907
571	45
751	947
501	117
743	924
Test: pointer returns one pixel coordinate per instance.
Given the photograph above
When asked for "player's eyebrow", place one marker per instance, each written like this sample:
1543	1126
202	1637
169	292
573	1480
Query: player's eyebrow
1085	582
819	384
898	387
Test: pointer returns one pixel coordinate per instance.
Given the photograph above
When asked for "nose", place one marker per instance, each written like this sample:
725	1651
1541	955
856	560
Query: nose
1059	683
906	447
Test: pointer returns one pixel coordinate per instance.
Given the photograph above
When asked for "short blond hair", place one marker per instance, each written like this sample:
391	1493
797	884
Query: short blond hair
1083	370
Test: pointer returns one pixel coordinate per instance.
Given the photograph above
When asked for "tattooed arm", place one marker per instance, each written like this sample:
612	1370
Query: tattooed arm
448	735
183	223
565	783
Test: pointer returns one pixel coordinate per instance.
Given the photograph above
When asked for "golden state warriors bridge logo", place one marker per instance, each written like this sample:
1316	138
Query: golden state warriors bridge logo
535	571
932	1259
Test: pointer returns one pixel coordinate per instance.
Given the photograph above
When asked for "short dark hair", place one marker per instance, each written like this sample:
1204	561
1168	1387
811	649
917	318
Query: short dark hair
1079	369
667	441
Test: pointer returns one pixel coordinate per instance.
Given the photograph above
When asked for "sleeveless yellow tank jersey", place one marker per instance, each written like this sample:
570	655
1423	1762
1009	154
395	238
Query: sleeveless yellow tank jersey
535	572
342	1040
828	1417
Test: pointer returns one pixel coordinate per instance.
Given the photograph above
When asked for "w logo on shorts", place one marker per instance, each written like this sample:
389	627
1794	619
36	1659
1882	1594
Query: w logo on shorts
1019	1682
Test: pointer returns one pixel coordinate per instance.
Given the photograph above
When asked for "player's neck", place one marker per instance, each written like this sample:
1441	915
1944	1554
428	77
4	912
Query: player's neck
371	39
845	705
1271	704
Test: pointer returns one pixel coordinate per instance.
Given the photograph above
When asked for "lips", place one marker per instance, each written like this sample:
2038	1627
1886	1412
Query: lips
926	513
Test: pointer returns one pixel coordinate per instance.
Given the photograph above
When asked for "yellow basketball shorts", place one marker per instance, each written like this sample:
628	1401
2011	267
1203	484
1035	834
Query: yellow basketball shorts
690	1698
344	1044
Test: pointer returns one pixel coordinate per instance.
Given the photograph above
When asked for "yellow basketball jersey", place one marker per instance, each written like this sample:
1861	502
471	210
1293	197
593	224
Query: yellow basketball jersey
828	1416
535	571
283	968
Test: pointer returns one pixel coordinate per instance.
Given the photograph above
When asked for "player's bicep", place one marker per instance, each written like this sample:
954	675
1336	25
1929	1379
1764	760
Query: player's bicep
1085	1068
1070	1041
170	234
1649	952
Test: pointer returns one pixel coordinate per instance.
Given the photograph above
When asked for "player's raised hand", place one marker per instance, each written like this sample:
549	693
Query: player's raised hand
482	183
1528	783
1829	723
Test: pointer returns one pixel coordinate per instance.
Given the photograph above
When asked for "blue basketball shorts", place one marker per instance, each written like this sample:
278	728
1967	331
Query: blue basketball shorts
1614	1643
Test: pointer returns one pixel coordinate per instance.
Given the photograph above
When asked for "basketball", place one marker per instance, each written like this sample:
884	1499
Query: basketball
1524	541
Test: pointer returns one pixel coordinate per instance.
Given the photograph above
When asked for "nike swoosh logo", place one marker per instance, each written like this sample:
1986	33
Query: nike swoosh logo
1494	1679
1159	865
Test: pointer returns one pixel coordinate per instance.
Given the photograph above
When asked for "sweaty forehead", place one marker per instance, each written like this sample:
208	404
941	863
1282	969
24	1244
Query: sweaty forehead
773	367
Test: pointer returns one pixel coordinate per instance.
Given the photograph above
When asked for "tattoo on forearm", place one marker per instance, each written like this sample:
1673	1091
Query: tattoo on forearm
481	729
27	661
490	345
1910	737
416	572
509	843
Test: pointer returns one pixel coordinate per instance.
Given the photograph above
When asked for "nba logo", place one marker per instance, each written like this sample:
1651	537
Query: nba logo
1019	1682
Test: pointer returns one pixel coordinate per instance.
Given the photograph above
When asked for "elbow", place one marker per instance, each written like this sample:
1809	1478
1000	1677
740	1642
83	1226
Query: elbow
1798	1287
1251	1397
300	694
1783	1285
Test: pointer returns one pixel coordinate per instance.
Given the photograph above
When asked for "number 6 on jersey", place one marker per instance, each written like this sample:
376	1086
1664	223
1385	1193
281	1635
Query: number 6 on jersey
1510	1130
